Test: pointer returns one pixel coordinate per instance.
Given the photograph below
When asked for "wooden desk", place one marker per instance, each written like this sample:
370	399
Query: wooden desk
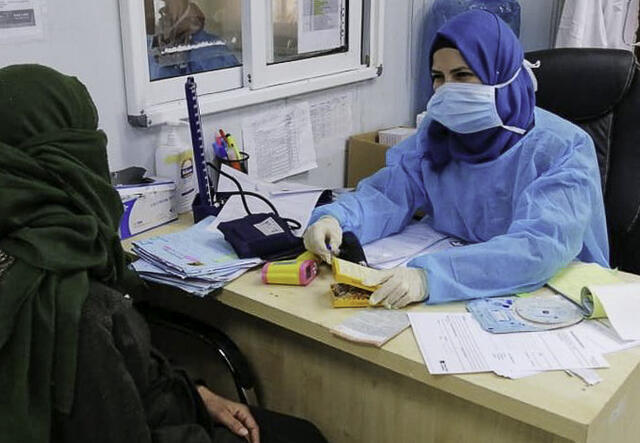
358	393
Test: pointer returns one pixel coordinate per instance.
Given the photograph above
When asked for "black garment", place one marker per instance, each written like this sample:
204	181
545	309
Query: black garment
126	391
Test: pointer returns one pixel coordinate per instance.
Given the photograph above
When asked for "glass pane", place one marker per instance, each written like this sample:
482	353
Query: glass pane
307	28
187	37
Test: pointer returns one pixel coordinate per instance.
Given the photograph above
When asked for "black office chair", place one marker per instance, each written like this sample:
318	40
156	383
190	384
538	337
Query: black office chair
599	90
220	347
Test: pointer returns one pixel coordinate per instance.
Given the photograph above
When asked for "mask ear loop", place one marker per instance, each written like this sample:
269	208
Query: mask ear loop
529	67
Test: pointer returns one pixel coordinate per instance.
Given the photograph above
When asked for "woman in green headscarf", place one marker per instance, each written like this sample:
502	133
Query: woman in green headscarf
58	221
76	362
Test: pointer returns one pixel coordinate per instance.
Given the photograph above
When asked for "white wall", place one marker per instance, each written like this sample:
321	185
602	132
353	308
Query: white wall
83	39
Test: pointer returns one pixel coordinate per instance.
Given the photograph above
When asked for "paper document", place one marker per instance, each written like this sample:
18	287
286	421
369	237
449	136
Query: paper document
418	238
254	184
279	142
621	303
193	252
320	25
599	337
373	326
449	343
331	117
589	376
21	20
194	260
455	343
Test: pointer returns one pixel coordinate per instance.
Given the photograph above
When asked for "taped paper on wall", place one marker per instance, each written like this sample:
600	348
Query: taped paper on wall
21	20
279	143
320	25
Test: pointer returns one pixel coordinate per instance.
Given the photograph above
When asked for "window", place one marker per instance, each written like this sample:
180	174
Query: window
243	52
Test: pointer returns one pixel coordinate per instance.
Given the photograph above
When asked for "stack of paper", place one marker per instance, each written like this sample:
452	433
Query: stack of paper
455	343
416	239
196	260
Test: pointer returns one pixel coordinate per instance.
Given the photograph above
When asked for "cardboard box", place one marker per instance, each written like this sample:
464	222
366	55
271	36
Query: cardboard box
364	156
146	206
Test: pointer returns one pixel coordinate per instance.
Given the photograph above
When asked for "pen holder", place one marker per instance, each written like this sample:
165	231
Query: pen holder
242	164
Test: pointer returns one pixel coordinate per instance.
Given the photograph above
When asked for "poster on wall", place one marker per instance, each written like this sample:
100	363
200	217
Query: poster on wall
21	20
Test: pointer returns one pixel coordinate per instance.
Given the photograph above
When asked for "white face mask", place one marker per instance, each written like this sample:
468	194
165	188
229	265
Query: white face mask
466	108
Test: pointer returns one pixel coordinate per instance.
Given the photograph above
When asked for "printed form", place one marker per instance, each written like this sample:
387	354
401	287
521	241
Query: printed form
320	25
279	142
453	343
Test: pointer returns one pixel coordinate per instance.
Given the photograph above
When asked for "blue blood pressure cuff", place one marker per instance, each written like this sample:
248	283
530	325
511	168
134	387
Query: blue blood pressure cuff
263	235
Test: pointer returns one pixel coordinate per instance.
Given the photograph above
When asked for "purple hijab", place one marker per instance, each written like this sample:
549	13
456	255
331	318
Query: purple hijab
494	54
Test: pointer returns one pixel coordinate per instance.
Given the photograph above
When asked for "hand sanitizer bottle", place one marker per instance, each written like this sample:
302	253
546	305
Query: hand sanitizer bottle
174	160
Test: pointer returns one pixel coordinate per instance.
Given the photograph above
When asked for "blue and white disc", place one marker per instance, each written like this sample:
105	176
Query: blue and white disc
549	309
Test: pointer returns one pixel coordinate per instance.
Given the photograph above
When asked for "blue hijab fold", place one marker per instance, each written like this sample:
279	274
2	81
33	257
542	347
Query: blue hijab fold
493	52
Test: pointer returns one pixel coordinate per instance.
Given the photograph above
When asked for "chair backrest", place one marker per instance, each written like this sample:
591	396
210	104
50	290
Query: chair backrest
599	90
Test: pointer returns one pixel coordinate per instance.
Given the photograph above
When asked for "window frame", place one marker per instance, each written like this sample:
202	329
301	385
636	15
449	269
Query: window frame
264	74
151	103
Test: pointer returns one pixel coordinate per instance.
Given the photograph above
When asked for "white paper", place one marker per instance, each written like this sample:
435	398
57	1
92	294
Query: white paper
331	117
598	336
374	326
621	302
279	142
601	337
320	25
542	351
589	376
297	206
263	187
416	239
448	343
455	343
21	20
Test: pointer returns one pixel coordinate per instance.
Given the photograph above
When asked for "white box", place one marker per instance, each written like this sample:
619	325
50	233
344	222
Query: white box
393	136
146	206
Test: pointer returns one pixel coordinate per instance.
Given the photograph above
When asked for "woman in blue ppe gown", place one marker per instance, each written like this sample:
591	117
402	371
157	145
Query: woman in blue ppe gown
518	183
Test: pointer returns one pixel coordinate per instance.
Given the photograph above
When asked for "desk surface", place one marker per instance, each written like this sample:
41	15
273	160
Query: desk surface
552	401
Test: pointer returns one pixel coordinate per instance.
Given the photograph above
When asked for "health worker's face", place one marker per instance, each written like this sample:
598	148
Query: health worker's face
449	66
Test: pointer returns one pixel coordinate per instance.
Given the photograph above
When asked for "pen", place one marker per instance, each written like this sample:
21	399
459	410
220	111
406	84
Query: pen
220	146
232	142
216	150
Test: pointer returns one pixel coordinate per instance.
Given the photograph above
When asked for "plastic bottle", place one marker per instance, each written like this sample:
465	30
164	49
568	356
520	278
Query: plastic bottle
174	160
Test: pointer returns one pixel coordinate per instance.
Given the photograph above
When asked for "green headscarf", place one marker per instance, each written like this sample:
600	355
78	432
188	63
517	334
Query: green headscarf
58	220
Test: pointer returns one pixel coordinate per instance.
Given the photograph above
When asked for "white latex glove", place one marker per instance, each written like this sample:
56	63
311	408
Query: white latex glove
400	286
325	231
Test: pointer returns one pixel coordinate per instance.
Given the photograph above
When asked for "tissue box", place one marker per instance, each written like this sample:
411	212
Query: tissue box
393	136
146	206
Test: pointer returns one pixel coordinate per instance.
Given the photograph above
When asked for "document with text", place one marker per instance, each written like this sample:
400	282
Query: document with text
453	343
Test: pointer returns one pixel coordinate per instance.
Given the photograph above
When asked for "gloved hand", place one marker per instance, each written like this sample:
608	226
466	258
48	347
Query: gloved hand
325	231
400	286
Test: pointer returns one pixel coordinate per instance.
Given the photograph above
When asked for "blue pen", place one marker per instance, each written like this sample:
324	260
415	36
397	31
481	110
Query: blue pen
221	148
217	150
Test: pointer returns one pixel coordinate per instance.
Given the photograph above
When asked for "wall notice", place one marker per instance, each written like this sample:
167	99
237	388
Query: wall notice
21	20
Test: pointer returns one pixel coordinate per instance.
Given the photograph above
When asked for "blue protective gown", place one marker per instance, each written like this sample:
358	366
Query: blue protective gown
527	213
